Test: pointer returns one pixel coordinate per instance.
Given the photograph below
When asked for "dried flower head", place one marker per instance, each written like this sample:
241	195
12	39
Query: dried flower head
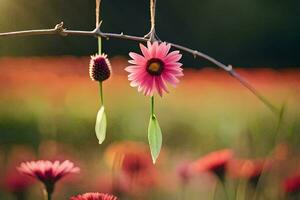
156	67
100	68
94	196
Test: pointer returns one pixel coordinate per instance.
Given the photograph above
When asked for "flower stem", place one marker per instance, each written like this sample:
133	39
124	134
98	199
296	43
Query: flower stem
152	106
48	192
222	183
101	92
241	190
98	3
183	191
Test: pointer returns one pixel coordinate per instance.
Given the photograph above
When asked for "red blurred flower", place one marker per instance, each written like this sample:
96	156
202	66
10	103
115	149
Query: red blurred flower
94	196
135	162
291	184
215	162
137	173
15	182
133	157
249	169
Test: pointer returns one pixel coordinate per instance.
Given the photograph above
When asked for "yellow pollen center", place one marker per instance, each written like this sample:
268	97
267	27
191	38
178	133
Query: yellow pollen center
154	67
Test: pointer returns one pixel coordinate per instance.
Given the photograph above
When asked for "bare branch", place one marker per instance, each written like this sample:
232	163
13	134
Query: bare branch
60	30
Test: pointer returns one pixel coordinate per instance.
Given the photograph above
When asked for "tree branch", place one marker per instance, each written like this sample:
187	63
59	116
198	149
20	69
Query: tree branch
60	30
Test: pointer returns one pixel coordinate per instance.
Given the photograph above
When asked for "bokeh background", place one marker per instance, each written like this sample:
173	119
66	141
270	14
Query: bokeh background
48	104
248	33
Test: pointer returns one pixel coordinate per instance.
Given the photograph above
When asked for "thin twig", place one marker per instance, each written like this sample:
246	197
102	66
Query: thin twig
60	30
152	13
98	2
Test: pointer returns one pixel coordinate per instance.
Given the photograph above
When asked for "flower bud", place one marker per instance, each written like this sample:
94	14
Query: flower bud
100	68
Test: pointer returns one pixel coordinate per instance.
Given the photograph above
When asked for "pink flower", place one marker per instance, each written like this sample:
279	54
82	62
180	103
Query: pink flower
152	70
94	196
137	174
249	169
134	157
46	171
215	162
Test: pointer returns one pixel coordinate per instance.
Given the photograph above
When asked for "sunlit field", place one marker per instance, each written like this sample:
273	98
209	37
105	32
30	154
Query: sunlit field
48	107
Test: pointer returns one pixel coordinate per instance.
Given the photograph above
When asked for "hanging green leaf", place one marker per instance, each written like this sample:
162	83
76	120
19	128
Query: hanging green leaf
154	137
100	127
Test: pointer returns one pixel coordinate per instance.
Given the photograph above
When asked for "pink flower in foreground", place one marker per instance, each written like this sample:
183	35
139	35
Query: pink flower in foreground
156	67
94	196
46	171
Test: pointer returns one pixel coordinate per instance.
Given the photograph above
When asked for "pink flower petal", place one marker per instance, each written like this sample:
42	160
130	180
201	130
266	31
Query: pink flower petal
153	49
140	60
145	52
170	79
174	56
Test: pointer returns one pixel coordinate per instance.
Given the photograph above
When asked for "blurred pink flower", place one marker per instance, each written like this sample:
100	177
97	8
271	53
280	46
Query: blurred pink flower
215	162
249	169
151	71
47	171
134	157
15	182
137	173
94	196
135	163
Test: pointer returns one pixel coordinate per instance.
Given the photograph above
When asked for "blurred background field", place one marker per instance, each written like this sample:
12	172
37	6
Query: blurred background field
48	107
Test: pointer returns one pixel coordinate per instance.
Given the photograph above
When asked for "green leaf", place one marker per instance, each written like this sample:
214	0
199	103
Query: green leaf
154	138
100	127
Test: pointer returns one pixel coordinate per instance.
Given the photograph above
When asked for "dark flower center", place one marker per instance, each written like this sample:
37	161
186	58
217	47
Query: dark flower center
155	66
